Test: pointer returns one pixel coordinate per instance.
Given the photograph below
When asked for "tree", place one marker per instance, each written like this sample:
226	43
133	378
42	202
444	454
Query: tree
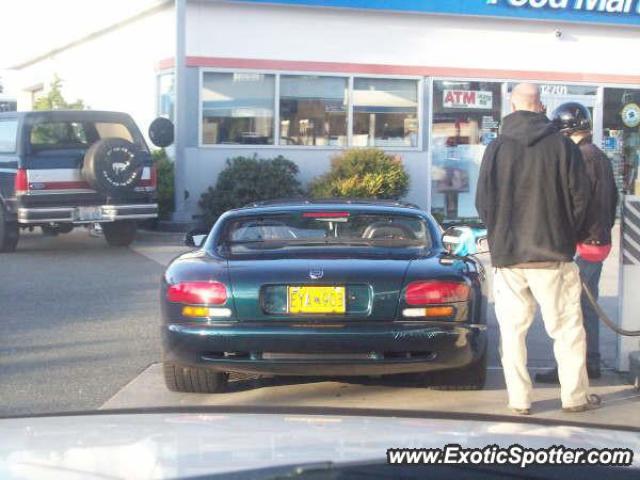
54	100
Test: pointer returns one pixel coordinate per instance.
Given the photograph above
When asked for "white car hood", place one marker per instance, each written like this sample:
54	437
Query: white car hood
161	445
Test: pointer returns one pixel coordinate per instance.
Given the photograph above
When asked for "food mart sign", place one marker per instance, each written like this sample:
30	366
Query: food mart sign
615	12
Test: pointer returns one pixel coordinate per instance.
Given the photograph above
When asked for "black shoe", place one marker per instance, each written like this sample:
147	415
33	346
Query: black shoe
550	376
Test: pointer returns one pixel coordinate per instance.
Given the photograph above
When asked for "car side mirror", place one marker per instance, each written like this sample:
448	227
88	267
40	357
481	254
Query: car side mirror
463	240
195	238
161	132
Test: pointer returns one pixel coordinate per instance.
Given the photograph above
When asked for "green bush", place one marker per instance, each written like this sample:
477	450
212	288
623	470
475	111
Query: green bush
249	179
165	175
363	173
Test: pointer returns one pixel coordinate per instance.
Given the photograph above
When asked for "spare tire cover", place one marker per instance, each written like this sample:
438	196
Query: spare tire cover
112	166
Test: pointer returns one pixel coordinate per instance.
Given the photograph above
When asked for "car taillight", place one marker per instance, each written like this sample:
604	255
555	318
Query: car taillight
198	293
431	292
21	184
153	181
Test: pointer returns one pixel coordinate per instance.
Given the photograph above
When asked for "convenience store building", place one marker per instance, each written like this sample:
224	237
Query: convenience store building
427	80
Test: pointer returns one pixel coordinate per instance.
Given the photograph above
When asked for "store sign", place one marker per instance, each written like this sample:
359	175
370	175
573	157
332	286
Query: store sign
621	12
467	99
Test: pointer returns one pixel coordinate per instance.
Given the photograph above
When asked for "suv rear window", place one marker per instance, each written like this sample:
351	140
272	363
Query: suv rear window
66	135
8	131
311	230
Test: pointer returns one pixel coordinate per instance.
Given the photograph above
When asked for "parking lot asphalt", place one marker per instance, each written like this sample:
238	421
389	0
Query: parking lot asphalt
78	320
80	331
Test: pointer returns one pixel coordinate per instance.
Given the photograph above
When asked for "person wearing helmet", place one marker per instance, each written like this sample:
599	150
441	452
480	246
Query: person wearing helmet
574	121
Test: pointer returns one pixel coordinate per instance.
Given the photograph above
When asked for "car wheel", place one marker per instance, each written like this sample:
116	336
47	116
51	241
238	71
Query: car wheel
9	233
179	378
121	233
471	377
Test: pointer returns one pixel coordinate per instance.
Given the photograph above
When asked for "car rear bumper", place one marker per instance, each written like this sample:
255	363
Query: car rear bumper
348	350
101	213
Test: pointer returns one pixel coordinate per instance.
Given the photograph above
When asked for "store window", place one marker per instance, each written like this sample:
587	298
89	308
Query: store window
552	95
385	112
237	108
466	118
621	136
313	110
166	95
8	132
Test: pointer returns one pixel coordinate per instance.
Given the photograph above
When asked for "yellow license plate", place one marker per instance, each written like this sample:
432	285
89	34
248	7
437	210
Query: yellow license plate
316	299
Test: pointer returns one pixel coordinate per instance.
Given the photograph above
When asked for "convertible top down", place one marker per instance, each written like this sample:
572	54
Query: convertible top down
326	288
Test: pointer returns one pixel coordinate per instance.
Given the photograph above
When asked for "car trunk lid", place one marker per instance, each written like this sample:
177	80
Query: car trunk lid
372	286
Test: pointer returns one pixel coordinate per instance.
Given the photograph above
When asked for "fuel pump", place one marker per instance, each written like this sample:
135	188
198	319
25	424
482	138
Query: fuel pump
629	291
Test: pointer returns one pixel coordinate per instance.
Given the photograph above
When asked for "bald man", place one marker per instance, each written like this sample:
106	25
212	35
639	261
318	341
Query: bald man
533	194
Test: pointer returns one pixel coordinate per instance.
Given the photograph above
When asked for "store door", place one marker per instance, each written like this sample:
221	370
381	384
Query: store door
555	94
466	118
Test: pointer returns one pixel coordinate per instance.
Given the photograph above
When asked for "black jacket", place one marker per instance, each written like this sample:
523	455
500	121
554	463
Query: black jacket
533	192
604	194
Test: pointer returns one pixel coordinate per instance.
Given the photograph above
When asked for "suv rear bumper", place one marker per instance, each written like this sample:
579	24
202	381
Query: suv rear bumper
81	215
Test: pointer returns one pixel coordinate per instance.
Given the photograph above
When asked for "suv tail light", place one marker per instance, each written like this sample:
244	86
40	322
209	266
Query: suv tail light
21	183
430	292
198	293
153	181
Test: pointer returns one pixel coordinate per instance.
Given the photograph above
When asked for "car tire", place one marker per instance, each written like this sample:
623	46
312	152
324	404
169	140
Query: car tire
179	378
471	377
9	233
120	233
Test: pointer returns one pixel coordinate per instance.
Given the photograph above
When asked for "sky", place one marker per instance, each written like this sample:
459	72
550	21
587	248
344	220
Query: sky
32	27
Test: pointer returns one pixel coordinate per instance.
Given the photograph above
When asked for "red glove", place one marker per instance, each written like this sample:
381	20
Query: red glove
593	253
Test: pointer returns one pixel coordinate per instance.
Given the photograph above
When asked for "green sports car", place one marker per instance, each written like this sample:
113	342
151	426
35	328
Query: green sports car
331	288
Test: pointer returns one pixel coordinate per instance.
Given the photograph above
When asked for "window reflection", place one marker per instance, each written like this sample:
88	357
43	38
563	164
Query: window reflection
237	108
166	95
621	136
466	118
313	110
385	112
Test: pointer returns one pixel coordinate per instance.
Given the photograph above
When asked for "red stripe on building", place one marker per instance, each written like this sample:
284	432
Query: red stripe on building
414	70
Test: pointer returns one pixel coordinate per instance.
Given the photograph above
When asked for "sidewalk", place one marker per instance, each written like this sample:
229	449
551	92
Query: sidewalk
621	403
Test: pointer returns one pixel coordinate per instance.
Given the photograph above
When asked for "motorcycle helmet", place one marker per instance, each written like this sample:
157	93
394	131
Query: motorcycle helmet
572	117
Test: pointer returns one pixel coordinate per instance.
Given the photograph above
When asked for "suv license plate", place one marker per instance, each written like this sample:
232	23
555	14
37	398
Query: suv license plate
84	214
316	299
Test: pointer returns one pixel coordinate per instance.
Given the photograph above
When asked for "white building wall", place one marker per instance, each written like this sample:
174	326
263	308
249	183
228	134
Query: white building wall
339	35
115	71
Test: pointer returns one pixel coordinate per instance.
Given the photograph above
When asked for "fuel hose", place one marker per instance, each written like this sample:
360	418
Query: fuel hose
604	318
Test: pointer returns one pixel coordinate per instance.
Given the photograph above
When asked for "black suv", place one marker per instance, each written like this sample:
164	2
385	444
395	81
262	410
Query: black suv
61	169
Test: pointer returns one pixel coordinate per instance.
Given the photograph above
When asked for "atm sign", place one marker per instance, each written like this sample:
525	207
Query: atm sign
467	99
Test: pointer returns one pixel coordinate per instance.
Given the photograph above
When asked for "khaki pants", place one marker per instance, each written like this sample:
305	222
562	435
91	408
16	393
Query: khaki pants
557	291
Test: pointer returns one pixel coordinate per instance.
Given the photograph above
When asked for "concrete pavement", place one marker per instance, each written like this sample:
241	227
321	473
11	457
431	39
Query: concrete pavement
78	321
